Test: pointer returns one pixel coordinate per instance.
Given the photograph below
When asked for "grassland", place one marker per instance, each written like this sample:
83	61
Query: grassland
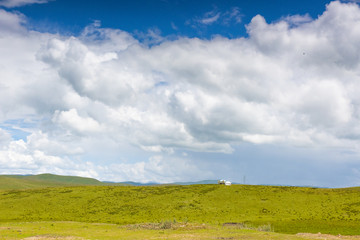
76	230
287	209
20	182
14	182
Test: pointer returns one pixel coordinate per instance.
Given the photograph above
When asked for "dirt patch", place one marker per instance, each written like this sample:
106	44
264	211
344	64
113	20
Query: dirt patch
44	237
326	236
243	225
184	236
231	224
163	226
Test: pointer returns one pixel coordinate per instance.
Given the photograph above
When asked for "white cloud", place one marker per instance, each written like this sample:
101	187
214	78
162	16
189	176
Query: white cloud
41	154
210	18
215	16
173	26
233	15
71	120
18	3
5	138
293	82
298	19
11	22
19	155
324	104
158	169
50	145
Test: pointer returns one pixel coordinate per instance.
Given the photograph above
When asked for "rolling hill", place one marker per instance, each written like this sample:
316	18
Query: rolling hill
17	182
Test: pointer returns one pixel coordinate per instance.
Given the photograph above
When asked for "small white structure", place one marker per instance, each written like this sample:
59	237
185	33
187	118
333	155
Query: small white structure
224	182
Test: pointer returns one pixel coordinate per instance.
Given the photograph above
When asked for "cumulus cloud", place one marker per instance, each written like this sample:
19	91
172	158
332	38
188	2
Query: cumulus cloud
71	120
19	3
158	169
298	19
292	82
5	138
21	156
41	153
10	22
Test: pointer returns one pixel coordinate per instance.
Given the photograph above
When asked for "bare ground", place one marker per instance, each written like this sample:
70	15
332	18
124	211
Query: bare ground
326	236
51	237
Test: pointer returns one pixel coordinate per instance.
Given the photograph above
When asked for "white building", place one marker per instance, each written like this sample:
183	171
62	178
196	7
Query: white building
224	182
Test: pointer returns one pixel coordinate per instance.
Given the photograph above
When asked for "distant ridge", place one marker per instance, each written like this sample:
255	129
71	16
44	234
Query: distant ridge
17	182
198	182
131	183
63	179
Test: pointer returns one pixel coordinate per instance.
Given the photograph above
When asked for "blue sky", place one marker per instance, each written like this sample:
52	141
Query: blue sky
168	91
179	17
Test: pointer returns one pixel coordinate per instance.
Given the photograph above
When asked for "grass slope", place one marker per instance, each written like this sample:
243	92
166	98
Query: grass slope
64	179
51	178
287	209
11	183
17	182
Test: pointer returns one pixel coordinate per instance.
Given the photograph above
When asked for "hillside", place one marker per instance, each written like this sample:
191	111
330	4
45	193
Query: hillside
16	182
287	209
10	183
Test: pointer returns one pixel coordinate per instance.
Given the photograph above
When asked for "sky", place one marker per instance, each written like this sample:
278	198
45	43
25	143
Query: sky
255	92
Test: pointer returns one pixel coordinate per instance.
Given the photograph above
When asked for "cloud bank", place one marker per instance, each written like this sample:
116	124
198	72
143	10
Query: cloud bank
105	94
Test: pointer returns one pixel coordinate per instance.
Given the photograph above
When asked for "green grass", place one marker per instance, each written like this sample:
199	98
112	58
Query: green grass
286	209
17	182
76	230
63	179
10	183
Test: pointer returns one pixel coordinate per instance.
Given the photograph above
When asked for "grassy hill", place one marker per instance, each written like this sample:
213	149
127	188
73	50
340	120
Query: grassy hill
17	182
10	183
287	209
13	182
64	179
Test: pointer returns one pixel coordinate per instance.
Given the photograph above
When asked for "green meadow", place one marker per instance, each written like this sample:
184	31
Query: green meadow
14	182
223	209
76	230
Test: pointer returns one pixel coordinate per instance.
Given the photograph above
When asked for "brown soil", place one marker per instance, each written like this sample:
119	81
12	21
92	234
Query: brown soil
51	237
326	236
